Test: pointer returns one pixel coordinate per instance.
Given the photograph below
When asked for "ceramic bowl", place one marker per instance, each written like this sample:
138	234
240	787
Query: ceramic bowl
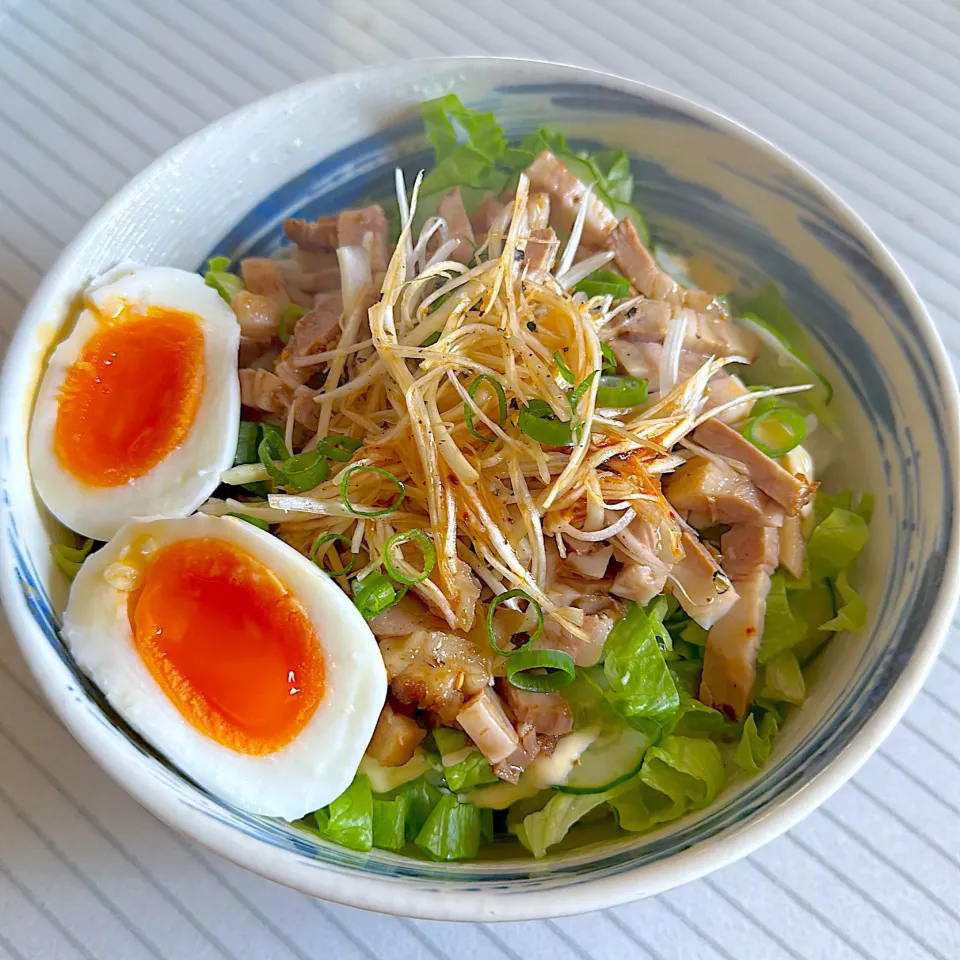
708	187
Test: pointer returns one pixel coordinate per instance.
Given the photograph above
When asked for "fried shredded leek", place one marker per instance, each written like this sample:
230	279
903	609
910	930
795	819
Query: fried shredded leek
486	499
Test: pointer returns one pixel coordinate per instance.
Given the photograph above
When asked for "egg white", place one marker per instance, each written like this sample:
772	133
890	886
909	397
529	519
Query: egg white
188	475
310	771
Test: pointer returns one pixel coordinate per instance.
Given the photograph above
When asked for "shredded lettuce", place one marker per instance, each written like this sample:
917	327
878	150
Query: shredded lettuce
756	743
836	540
641	688
471	163
783	680
420	797
694	718
472	771
852	614
781	630
452	831
389	823
679	775
549	826
471	151
348	820
449	740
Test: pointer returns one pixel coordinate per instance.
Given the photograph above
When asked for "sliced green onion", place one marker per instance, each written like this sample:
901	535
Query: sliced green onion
432	339
604	283
776	432
422	541
289	315
304	471
538	421
228	285
327	538
272	448
609	360
621	391
435	305
561	670
502	598
246	443
374	594
764	403
501	404
565	371
70	559
254	521
345	497
339	448
577	395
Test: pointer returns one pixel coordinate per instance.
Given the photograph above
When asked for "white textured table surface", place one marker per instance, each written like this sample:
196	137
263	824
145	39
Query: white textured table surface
865	93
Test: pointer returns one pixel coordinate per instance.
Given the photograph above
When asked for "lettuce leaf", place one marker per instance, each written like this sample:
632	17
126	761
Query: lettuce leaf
452	831
472	163
836	540
420	797
348	820
852	614
471	151
694	718
449	740
389	823
549	826
783	680
679	775
472	771
641	688
812	609
781	630
756	742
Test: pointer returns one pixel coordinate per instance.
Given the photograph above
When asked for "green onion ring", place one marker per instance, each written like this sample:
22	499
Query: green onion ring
501	404
247	434
621	391
327	538
272	448
502	598
538	421
426	545
565	371
790	424
609	360
560	666
344	496
304	471
375	595
577	395
339	448
253	521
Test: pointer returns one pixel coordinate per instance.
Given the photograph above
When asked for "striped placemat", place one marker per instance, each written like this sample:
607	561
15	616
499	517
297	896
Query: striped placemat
865	93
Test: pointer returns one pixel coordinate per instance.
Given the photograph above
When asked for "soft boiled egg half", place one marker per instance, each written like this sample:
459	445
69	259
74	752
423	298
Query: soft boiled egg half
139	407
235	656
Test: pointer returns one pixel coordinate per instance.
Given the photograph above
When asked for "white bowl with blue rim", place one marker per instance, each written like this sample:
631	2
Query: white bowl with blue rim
707	187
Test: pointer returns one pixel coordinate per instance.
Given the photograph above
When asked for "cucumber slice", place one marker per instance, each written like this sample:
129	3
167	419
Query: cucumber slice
615	756
780	365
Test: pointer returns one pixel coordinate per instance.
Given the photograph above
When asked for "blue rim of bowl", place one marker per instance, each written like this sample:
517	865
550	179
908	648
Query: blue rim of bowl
832	737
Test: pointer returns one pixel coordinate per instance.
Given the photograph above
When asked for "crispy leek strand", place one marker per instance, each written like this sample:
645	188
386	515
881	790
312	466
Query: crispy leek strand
485	494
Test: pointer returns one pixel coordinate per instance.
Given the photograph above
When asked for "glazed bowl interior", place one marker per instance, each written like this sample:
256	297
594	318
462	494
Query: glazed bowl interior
709	189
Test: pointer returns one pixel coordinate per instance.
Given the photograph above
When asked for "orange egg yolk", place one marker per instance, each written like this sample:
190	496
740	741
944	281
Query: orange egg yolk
131	397
228	644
